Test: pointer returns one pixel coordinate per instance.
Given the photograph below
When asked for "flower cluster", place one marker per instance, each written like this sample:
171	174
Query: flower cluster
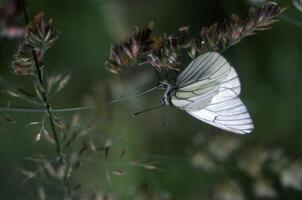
40	34
218	37
163	51
132	51
23	62
166	49
39	37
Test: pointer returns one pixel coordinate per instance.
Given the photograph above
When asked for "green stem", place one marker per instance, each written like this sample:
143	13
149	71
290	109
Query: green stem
44	89
43	110
71	109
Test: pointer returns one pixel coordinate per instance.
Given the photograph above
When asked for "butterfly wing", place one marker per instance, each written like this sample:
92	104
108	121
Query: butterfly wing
226	110
208	89
199	82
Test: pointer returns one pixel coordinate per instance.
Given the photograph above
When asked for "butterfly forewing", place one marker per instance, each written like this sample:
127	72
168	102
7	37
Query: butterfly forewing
207	67
208	89
199	82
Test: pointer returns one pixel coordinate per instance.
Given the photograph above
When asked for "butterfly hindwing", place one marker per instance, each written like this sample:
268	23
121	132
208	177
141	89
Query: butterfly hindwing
208	89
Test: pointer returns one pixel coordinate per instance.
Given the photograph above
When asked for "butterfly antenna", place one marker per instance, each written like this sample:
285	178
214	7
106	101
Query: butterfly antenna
147	110
131	96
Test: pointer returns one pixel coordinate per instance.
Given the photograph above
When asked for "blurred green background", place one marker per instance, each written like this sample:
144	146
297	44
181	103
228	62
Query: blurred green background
269	65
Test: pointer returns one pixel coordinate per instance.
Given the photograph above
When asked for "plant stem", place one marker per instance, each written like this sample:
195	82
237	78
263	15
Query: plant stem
44	89
42	110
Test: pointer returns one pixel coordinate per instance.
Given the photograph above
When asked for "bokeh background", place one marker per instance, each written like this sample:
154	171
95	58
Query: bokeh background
193	160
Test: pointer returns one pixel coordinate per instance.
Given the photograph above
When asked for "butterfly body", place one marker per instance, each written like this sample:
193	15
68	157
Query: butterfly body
166	100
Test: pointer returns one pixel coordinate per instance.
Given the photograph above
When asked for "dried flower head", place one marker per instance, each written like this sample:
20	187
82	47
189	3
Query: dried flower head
163	52
40	34
166	49
139	49
23	62
39	37
218	37
132	51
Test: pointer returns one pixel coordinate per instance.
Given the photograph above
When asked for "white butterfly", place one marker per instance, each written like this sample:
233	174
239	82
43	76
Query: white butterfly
209	89
298	4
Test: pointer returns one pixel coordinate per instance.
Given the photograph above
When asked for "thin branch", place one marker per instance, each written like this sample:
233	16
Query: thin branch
71	109
43	110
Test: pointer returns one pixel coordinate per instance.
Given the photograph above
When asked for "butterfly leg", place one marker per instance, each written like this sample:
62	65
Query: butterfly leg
164	117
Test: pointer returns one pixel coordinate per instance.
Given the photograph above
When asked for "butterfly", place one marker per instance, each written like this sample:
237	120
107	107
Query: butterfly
298	4
208	89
